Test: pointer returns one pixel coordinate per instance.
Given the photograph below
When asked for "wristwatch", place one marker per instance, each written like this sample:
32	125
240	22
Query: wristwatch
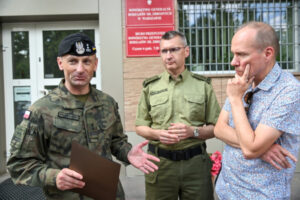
196	132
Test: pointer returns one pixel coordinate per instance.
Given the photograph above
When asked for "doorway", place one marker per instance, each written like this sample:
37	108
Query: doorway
30	68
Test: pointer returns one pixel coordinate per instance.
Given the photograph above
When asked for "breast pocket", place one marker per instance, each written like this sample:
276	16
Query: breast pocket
100	124
65	131
159	107
194	107
67	124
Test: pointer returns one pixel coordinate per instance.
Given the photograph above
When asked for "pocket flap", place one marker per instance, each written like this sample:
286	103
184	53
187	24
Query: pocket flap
194	99
67	124
158	100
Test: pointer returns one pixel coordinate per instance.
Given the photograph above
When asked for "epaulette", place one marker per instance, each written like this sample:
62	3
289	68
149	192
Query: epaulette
202	78
151	79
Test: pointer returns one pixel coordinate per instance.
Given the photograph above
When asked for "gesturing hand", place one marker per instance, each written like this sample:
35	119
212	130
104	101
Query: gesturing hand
141	160
69	179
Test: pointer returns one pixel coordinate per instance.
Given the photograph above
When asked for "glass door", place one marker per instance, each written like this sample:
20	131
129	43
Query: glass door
30	67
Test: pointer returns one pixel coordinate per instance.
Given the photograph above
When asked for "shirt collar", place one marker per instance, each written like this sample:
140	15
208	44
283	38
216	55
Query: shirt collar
167	77
70	101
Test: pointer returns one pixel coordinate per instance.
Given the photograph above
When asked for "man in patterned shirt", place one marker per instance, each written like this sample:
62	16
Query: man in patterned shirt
262	111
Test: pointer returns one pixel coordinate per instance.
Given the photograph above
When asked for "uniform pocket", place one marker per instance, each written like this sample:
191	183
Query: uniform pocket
106	120
159	106
67	124
151	177
61	137
195	107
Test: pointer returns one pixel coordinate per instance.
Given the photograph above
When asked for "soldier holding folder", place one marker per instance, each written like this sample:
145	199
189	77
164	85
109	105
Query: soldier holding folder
75	111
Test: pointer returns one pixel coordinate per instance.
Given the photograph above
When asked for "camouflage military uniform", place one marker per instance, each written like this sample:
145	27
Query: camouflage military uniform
189	100
41	145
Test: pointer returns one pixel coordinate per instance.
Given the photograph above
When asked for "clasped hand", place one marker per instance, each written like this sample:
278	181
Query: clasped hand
175	133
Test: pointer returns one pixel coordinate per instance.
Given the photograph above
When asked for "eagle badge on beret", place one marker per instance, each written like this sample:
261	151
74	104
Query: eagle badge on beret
79	48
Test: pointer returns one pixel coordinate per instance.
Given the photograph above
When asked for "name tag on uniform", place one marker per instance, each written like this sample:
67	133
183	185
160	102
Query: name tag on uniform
67	115
159	91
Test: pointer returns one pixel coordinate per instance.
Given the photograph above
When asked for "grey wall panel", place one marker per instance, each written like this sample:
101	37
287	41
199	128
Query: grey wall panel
2	111
110	23
50	7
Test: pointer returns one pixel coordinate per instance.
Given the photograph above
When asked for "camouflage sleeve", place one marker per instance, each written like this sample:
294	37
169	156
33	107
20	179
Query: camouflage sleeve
143	117
212	106
27	161
119	145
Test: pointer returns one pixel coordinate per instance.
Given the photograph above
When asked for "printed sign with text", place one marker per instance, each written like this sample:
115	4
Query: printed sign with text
149	12
144	41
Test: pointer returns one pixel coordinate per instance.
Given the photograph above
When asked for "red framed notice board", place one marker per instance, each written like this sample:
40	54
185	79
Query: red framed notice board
144	41
149	12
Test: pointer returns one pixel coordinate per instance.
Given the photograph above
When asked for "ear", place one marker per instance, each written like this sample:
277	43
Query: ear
59	63
269	52
187	51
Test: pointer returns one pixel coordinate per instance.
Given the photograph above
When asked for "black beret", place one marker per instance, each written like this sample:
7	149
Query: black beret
77	44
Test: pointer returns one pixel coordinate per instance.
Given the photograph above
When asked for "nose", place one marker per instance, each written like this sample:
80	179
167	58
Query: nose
234	61
169	54
80	67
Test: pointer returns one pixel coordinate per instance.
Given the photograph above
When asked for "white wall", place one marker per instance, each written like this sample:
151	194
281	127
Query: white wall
47	7
2	120
111	51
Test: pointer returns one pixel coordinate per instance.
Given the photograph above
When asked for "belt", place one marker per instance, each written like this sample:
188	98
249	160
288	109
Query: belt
177	155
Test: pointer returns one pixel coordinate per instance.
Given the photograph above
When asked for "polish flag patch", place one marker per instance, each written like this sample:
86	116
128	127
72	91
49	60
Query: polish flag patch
27	114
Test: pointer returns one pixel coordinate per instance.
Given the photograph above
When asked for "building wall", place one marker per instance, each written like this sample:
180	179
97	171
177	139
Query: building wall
110	23
110	19
11	8
135	70
122	77
2	119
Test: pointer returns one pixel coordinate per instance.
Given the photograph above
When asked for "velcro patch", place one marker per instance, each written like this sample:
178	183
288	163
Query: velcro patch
67	115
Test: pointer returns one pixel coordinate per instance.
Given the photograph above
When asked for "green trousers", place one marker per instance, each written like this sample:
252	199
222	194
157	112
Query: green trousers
186	179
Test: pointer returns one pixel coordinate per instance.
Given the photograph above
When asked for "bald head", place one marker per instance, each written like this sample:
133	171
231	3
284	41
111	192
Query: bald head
265	35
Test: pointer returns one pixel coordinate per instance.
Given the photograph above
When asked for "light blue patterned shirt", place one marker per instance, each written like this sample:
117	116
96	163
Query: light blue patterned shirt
275	103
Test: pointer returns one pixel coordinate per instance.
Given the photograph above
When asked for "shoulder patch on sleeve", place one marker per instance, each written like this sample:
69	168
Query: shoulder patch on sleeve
27	114
202	78
151	79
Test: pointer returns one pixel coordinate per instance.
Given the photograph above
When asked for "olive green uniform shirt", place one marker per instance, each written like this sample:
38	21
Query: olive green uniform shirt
41	145
189	100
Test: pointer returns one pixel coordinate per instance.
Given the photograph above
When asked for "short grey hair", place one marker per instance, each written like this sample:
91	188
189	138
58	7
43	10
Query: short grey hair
171	34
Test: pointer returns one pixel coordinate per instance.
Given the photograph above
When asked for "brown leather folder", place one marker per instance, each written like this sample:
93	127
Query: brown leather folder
101	176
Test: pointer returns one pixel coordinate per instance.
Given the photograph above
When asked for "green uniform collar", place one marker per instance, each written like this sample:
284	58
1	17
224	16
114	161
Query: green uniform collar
70	101
182	77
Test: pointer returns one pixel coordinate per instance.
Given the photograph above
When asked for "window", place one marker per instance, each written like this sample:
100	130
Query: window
20	54
209	27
